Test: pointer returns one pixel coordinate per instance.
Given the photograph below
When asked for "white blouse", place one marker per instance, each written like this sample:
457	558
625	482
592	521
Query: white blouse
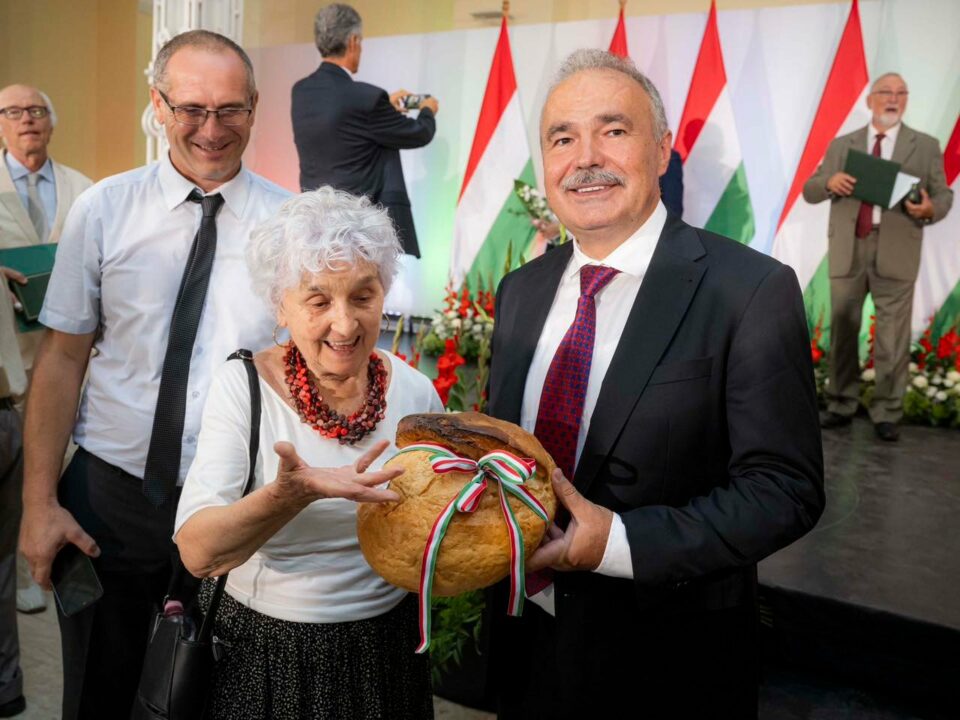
312	569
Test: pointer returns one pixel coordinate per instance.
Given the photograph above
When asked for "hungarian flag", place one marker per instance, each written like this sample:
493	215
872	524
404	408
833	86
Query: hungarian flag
618	45
490	217
715	193
801	238
938	284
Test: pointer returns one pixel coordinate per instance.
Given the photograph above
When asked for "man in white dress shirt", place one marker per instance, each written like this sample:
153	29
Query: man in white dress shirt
136	251
667	370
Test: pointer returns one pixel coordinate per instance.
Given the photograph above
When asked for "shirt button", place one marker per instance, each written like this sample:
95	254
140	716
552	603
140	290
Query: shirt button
195	394
199	350
191	439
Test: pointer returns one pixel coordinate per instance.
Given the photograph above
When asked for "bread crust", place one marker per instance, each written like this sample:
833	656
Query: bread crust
475	551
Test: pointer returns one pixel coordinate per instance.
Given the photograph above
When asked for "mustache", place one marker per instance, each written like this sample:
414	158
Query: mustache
591	176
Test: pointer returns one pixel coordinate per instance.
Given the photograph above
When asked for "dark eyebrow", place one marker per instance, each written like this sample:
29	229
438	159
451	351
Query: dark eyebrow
557	128
607	118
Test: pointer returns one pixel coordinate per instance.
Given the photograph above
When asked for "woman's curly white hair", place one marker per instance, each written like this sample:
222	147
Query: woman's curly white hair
323	229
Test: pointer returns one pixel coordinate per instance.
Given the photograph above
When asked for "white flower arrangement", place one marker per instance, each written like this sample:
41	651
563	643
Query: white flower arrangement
920	381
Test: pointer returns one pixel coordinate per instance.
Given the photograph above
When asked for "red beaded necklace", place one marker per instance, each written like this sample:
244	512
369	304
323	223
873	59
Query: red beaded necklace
320	416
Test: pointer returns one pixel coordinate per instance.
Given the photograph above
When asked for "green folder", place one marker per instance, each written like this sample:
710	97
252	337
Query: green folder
36	262
875	177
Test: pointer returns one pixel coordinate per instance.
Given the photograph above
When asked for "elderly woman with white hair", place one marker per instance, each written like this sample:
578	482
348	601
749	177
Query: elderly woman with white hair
314	631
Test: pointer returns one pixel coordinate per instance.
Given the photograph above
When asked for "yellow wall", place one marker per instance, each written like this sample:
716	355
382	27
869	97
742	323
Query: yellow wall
281	22
89	57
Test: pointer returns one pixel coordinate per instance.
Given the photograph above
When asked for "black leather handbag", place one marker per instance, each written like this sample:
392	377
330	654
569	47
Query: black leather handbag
182	652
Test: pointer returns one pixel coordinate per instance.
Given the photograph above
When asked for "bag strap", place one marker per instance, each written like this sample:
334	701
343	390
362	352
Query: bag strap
206	629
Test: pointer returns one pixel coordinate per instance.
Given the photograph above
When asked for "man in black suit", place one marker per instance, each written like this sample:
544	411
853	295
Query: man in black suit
349	134
694	432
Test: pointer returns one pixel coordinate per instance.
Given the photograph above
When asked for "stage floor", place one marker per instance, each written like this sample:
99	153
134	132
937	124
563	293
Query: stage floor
888	537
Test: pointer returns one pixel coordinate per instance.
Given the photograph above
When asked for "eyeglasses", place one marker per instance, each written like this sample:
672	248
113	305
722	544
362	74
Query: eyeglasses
890	94
35	111
196	116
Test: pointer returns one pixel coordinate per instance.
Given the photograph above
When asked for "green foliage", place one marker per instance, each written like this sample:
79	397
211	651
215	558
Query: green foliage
455	620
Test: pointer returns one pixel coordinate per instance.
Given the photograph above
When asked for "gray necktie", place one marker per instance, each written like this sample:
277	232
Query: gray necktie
35	208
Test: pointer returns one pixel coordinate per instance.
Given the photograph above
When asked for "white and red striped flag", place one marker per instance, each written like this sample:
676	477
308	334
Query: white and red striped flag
715	194
801	237
489	216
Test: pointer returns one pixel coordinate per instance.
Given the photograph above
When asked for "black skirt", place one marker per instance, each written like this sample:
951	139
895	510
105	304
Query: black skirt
288	670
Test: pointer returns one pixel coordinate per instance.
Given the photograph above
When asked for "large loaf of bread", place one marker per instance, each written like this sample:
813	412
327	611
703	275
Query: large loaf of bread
475	551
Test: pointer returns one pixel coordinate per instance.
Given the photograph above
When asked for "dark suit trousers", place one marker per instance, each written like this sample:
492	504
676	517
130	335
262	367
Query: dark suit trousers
11	483
104	645
642	664
891	351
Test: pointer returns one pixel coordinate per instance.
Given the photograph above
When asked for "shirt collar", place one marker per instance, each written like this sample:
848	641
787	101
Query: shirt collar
18	170
888	134
633	256
176	188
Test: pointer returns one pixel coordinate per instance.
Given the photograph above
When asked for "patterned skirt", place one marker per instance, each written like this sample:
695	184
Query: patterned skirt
285	670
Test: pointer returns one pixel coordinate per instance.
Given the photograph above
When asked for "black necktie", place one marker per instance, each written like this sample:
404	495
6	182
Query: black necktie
163	457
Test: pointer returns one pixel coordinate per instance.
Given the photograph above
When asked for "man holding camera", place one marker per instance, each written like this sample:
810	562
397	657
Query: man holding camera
349	134
876	250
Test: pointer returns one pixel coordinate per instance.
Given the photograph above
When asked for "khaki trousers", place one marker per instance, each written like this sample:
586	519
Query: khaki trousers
891	349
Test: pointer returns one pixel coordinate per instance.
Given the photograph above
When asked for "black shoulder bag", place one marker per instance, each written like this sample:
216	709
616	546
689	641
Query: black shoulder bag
182	651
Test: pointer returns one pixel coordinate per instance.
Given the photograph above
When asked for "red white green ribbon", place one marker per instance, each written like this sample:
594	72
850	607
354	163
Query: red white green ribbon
510	472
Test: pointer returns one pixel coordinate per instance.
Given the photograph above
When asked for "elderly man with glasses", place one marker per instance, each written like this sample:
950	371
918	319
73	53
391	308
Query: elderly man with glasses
35	195
876	250
150	271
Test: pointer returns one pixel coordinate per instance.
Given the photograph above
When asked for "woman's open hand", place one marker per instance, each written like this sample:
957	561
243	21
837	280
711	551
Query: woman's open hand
299	483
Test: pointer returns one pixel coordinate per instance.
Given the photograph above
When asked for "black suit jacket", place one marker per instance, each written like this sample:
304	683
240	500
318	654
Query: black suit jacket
671	185
349	136
705	441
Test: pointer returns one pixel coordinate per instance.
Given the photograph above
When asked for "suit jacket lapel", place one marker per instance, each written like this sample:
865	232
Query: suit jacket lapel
665	294
526	324
10	199
906	142
858	140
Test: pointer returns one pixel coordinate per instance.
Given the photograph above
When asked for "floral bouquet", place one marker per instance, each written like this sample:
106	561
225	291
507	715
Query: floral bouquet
466	318
535	204
933	393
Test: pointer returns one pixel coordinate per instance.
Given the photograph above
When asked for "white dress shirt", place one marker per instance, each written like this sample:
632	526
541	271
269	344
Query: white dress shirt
118	269
312	569
613	304
886	152
46	186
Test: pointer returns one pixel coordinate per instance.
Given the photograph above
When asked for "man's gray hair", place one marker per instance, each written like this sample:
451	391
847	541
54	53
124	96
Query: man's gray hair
203	40
593	59
49	103
319	230
884	76
333	26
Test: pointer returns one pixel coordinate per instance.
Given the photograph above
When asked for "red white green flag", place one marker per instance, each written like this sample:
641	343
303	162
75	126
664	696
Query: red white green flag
715	195
938	284
618	45
801	238
489	217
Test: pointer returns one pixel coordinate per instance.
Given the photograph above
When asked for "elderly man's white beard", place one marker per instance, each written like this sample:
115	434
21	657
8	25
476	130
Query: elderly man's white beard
887	120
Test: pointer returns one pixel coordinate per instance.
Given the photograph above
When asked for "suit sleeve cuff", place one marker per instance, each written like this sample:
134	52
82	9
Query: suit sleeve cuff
616	561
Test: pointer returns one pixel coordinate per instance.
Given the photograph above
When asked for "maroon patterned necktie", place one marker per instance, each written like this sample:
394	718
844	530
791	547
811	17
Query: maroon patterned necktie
565	389
865	216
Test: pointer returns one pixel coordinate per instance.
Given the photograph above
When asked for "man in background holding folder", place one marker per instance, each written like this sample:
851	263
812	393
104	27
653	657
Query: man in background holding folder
35	195
877	250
